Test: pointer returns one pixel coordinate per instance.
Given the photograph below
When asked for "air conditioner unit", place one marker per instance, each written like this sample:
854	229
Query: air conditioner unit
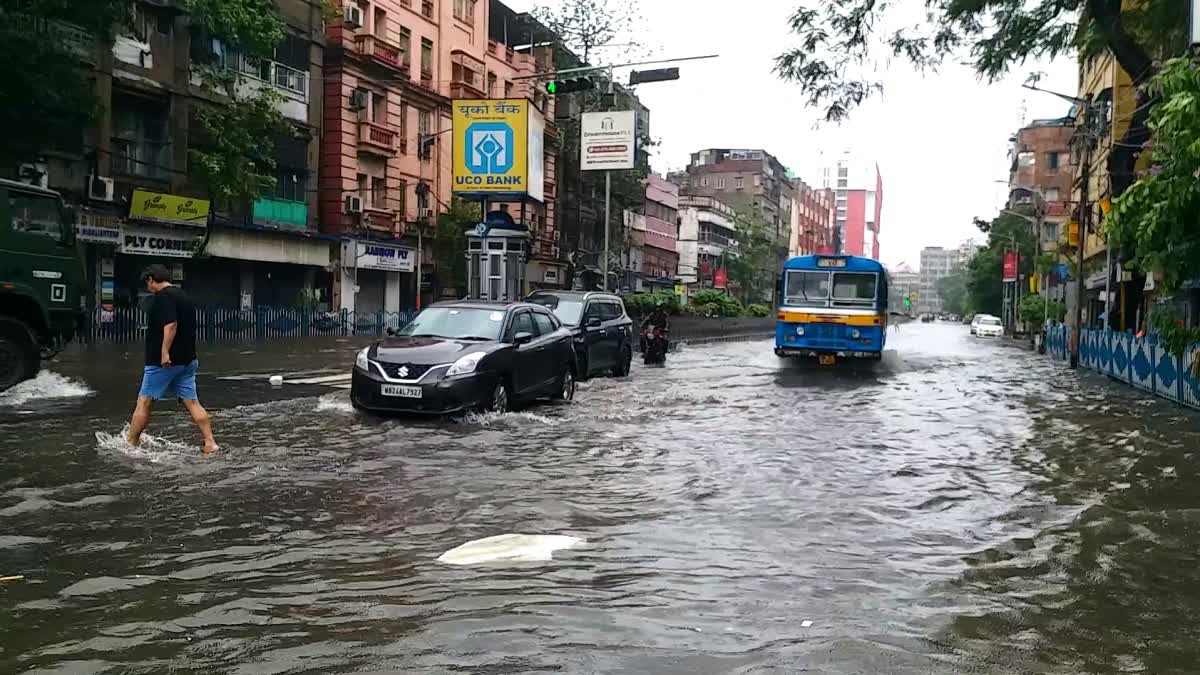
100	188
425	213
358	99
353	204
554	251
352	15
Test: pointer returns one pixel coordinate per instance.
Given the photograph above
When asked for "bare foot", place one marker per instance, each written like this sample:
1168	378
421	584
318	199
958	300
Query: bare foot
211	449
133	442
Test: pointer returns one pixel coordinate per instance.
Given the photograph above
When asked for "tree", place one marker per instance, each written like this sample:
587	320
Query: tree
839	42
583	26
450	244
952	289
1161	211
984	272
751	263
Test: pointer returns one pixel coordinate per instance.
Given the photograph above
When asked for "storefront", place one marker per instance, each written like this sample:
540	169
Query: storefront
377	277
258	268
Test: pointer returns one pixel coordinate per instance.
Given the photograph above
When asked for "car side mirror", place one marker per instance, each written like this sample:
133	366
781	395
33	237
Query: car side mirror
522	338
593	322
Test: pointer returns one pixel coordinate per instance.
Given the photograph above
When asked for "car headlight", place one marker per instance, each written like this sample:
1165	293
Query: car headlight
799	330
855	334
466	365
360	361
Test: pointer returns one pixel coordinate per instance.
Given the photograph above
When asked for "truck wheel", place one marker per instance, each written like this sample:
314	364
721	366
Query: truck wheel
18	356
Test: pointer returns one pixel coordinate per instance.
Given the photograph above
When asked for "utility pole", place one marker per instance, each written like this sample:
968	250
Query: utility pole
1085	217
607	195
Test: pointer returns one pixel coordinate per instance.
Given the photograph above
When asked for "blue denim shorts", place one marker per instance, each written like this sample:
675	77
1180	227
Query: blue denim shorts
178	381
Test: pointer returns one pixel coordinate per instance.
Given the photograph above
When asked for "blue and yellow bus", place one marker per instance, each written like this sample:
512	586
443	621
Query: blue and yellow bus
832	306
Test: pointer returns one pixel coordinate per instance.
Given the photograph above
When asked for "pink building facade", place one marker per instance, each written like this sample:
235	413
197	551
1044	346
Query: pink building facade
393	69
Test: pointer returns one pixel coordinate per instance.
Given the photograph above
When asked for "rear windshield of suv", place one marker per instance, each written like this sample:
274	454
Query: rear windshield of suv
568	310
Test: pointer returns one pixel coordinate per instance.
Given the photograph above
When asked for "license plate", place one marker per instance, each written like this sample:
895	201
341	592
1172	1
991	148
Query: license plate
400	390
826	359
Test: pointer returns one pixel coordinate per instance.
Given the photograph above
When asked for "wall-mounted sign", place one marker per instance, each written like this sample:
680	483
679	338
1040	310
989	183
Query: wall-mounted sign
165	208
97	234
608	140
372	256
1009	273
166	243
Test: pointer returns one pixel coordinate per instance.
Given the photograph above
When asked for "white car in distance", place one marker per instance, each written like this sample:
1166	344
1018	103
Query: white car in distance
989	326
979	318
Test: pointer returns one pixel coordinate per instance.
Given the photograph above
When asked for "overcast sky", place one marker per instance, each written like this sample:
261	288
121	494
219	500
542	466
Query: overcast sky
940	141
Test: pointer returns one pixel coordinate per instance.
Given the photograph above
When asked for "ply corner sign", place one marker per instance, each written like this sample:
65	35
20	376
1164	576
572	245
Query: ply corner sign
167	243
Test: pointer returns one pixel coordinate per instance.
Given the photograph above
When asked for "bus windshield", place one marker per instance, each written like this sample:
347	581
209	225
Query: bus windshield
806	289
854	288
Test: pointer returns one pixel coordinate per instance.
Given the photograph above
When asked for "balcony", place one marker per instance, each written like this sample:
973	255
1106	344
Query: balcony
376	138
466	76
383	53
378	219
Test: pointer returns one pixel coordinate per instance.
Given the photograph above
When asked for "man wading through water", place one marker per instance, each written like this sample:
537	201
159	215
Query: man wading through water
170	357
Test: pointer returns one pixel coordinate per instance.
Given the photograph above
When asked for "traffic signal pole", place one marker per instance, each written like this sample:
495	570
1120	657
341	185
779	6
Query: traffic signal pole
607	200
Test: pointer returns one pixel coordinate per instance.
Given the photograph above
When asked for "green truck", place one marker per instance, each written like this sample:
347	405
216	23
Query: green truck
41	279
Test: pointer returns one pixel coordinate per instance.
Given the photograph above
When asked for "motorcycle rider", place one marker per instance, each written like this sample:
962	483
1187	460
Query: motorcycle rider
658	319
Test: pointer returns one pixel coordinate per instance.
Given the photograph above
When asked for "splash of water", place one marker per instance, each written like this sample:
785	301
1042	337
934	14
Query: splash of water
488	419
46	385
334	403
153	449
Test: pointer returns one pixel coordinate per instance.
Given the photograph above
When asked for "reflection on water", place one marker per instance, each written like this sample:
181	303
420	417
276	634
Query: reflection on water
961	507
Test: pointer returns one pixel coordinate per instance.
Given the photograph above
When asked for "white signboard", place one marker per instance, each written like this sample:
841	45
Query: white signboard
537	157
608	140
373	256
97	234
166	243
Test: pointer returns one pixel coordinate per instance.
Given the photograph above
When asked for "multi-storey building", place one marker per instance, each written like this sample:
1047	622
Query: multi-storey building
936	263
393	70
1041	174
229	253
858	205
812	219
903	283
707	232
653	261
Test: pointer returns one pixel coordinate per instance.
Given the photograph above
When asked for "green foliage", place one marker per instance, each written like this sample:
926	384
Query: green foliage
752	264
450	243
1160	213
984	286
757	310
250	26
1173	335
717	303
232	152
641	304
953	291
1034	311
584	26
840	44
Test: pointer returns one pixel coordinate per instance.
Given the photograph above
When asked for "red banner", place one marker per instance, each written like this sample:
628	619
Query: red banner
1010	266
719	279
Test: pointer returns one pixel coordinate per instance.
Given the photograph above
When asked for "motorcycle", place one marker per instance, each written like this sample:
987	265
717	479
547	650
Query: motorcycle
654	345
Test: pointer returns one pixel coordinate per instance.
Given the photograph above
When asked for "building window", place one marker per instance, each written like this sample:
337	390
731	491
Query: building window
291	184
404	128
1052	161
427	8
739	182
426	59
378	107
491	84
140	146
1051	194
843	172
703	182
720	183
378	192
843	183
757	180
464	10
508	89
364	188
402	199
405	46
380	21
423	130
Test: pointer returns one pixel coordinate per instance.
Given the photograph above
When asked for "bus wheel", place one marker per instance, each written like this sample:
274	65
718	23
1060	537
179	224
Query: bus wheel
19	357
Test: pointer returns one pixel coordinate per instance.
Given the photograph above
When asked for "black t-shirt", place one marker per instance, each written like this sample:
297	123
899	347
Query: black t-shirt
171	305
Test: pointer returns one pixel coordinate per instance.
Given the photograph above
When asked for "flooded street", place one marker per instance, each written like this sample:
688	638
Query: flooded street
967	507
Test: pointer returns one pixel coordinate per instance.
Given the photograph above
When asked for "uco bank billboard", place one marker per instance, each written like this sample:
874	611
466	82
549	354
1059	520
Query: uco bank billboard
498	148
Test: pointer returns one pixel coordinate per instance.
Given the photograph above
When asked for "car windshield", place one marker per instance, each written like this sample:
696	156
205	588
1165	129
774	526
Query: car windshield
567	310
464	323
990	322
806	288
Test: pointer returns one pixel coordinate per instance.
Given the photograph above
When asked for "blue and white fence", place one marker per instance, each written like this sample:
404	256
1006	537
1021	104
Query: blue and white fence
1137	361
220	324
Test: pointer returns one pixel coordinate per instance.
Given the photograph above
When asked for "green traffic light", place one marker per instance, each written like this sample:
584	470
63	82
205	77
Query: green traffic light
551	87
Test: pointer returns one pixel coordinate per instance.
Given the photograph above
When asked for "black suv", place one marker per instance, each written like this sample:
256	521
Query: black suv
603	331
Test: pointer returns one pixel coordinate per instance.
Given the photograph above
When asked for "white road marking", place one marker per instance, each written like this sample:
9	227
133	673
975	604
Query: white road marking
328	379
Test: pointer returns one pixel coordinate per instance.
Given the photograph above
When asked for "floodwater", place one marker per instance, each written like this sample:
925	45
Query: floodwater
966	507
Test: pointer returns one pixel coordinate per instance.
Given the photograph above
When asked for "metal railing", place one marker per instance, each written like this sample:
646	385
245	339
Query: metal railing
222	324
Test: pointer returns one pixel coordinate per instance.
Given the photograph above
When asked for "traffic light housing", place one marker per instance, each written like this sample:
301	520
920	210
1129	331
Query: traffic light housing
658	75
555	87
